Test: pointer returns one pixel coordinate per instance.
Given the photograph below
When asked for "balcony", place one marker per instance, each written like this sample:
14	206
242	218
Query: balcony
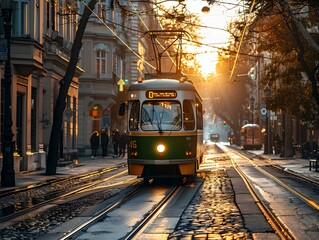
26	55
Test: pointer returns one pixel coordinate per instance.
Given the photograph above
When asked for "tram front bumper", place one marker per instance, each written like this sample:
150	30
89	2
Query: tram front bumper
161	167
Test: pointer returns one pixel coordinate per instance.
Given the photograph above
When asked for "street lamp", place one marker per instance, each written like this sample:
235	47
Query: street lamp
252	102
7	173
205	9
267	142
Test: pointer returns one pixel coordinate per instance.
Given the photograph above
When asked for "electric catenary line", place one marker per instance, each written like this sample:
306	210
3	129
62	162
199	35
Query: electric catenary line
114	33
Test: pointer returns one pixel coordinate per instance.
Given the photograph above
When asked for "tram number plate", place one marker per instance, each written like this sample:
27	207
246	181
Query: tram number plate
133	144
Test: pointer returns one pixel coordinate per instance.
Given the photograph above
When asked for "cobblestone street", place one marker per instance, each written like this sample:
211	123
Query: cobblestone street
212	213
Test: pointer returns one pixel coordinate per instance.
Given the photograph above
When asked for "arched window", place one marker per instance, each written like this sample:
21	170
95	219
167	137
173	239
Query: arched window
96	114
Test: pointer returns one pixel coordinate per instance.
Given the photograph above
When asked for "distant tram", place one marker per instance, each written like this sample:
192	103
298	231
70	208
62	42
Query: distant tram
250	136
214	137
165	128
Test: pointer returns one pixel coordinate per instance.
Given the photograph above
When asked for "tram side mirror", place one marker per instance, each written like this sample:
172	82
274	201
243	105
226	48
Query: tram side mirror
122	109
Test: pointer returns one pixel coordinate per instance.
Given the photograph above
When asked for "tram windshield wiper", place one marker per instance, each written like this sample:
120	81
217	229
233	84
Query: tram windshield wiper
161	116
159	124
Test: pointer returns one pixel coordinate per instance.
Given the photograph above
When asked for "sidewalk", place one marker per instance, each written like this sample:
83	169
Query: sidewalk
85	164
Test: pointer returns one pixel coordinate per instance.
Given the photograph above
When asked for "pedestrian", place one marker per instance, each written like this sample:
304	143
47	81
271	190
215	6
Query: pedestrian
123	144
314	151
277	144
115	141
306	150
95	142
104	142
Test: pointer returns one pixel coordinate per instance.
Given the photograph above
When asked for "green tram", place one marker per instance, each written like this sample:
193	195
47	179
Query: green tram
165	129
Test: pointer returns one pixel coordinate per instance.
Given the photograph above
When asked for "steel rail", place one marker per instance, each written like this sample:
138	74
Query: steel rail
45	202
278	226
134	234
8	192
307	200
138	229
77	231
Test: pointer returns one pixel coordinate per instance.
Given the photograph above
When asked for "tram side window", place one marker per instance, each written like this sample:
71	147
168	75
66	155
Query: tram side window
188	115
134	115
199	113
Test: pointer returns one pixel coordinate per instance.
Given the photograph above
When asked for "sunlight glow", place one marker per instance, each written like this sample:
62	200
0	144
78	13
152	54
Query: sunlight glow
215	19
215	36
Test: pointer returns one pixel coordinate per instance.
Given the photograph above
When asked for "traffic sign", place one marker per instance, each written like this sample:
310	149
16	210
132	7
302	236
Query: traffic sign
121	84
263	111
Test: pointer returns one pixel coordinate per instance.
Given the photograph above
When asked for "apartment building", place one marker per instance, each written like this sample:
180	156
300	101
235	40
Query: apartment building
42	33
41	42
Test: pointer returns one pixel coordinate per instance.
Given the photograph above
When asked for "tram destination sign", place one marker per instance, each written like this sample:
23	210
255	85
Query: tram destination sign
161	94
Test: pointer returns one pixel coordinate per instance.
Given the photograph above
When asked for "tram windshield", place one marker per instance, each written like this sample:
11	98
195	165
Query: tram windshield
161	116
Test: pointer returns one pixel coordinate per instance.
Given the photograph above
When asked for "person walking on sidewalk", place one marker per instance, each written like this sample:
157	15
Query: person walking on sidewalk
277	144
104	142
95	142
115	140
123	144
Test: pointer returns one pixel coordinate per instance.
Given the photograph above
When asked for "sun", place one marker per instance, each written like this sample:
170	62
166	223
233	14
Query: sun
207	62
213	31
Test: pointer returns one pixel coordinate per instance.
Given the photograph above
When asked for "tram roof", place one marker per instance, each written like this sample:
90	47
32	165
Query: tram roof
162	83
250	125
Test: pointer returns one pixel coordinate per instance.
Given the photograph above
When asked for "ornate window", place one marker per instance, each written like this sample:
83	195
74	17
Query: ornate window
21	18
101	8
101	60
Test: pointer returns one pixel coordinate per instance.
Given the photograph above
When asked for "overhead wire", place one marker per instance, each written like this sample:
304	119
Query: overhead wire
118	37
141	19
138	14
240	43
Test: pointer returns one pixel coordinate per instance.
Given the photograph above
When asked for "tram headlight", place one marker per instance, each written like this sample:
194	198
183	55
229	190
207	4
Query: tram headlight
134	154
188	153
160	148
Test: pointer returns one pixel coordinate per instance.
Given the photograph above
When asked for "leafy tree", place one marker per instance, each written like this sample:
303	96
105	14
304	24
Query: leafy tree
287	31
65	82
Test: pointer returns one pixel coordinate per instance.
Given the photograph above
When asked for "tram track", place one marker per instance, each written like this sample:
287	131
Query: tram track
241	164
141	225
8	192
309	201
25	200
274	222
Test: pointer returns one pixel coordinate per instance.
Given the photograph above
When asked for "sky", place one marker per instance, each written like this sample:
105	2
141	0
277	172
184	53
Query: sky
220	14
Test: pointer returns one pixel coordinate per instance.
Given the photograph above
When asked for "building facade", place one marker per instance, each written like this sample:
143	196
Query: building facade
42	33
113	53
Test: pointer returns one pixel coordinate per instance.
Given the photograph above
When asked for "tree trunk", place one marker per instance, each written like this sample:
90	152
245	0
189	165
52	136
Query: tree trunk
65	82
287	144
